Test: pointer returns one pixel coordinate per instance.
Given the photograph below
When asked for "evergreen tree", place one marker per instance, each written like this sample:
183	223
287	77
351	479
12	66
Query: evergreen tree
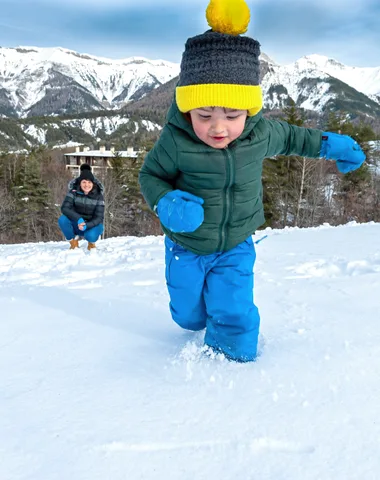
334	123
32	200
279	179
353	188
292	115
133	192
7	203
142	220
114	197
118	168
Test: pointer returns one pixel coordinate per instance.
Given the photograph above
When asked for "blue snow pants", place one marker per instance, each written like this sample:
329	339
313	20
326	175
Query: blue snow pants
70	229
215	292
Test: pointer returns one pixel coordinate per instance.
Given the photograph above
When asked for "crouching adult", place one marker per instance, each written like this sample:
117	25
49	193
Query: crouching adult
83	211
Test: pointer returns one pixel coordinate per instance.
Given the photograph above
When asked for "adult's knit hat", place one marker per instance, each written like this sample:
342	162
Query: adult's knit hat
85	173
220	68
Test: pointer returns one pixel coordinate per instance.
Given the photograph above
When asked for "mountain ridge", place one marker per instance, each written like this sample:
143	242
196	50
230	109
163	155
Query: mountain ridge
27	74
40	87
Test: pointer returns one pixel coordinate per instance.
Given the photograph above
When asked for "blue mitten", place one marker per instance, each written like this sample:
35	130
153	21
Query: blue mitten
180	211
342	148
82	221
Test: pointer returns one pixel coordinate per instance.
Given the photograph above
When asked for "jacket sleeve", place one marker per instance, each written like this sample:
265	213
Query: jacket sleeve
68	209
98	216
159	171
286	139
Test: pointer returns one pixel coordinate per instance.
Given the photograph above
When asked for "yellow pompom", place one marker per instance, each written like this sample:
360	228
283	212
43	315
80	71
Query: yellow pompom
228	16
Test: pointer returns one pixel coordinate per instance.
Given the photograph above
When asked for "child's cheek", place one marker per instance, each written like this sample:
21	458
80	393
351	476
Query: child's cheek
200	132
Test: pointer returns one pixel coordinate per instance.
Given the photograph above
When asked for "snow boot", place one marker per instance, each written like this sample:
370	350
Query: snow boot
74	243
90	246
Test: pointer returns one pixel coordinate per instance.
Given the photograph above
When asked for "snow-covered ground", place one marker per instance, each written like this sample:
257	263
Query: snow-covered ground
97	382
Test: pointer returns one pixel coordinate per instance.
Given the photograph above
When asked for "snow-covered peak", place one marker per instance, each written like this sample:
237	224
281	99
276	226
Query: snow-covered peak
57	80
363	79
26	73
265	58
141	60
307	81
318	62
29	56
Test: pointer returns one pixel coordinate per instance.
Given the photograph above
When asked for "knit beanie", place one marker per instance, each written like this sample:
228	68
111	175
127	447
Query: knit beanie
220	68
85	173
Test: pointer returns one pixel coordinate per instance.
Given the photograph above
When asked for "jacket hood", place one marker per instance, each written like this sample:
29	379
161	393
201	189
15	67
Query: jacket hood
74	184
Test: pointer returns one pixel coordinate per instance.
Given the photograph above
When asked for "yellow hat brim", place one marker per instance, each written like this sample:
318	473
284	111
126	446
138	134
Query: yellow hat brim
239	97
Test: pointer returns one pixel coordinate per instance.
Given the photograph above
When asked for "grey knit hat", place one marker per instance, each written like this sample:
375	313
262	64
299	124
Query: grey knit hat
219	58
221	69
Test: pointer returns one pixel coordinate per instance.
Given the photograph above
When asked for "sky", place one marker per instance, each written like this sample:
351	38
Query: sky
345	30
97	382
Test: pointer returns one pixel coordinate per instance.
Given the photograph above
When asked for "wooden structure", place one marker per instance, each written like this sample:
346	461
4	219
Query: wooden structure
97	159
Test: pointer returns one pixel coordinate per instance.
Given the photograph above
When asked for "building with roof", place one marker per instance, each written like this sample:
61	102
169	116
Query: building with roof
99	160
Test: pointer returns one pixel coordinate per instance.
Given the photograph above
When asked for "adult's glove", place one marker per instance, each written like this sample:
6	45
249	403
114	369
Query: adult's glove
84	226
342	148
180	211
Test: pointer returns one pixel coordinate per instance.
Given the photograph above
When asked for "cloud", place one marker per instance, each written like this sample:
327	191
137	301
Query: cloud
15	28
327	5
125	4
290	29
286	29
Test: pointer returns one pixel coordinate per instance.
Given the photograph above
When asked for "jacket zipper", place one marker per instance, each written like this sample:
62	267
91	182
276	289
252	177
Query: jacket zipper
227	199
84	204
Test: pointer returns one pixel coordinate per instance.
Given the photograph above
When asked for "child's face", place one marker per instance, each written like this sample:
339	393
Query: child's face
217	126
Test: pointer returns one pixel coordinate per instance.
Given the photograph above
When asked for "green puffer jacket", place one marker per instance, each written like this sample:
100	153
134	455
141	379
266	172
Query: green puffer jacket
229	179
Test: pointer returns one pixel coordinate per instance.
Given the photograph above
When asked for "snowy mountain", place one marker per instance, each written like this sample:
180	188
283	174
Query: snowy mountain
365	80
310	82
321	84
97	382
53	81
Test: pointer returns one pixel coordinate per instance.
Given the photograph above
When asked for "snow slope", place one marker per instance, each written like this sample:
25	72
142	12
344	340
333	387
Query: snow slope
97	382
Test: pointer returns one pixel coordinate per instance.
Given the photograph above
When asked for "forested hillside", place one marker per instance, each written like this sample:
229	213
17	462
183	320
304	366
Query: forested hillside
297	191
